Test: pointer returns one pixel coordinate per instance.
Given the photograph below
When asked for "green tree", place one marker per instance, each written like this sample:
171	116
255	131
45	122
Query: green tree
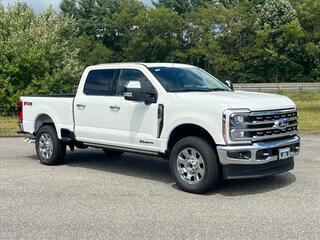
275	13
156	36
185	6
202	32
182	6
107	21
36	54
216	34
275	53
276	57
309	17
92	52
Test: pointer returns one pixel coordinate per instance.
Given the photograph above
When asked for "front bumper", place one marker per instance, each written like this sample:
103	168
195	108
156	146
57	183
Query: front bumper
257	160
240	171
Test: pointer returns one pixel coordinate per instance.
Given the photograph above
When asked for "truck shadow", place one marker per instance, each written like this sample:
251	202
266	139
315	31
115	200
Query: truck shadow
157	169
134	165
255	186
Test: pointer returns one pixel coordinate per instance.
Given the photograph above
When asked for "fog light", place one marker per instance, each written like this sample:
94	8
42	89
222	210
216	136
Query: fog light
245	155
264	154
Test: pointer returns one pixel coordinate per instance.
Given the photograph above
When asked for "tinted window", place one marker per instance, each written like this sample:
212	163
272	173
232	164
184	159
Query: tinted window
100	82
127	75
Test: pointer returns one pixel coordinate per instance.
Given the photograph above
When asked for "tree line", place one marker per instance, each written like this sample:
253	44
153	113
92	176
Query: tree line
238	40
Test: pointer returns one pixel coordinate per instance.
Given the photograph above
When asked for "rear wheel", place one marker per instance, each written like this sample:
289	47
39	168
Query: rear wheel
194	165
49	148
112	153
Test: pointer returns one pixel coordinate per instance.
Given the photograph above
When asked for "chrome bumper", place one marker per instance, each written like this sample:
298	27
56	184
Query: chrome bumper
268	153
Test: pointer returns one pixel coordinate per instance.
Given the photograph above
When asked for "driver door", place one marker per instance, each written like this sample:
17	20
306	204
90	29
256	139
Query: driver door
136	122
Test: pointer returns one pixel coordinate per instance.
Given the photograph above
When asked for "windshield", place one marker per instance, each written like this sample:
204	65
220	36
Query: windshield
175	79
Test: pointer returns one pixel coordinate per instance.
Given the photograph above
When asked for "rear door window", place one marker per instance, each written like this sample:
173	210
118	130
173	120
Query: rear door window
100	82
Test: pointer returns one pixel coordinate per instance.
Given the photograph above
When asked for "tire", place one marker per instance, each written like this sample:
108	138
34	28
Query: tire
197	169
49	148
112	153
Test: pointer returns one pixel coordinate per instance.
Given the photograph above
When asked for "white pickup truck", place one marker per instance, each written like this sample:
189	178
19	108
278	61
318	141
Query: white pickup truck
176	111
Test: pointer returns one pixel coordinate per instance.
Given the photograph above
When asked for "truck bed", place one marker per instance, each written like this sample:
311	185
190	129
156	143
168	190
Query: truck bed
58	107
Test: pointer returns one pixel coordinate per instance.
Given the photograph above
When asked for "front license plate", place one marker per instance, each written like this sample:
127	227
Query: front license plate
284	153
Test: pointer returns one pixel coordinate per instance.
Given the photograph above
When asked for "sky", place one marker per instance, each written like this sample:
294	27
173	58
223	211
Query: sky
39	5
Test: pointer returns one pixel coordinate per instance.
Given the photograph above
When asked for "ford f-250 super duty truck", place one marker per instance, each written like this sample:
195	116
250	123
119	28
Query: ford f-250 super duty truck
176	111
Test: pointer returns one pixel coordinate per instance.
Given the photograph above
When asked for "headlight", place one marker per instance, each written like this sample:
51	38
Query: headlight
235	121
237	134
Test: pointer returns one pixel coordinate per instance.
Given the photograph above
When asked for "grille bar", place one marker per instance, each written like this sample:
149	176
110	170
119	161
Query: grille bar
265	128
288	134
269	122
263	125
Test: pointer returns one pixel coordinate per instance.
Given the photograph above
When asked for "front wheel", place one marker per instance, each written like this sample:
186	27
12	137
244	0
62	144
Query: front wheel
194	165
50	149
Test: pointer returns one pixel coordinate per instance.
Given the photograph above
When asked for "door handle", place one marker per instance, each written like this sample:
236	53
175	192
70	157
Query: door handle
81	106
114	107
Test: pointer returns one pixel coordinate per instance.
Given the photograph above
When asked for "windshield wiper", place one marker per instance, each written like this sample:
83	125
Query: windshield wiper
187	90
199	90
217	89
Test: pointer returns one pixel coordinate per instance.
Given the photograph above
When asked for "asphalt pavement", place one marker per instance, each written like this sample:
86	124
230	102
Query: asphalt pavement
134	197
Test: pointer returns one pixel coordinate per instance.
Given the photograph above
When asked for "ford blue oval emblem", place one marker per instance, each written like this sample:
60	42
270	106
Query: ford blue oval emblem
281	123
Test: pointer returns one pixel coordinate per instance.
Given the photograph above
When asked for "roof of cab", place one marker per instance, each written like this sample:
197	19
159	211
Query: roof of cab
123	64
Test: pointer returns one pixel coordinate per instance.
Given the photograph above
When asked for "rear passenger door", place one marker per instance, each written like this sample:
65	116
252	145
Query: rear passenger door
94	122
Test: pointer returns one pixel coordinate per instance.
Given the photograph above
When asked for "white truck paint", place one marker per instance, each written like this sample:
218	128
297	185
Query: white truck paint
114	122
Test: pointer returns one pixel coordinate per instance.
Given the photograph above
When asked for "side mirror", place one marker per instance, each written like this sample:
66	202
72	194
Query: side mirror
229	84
134	92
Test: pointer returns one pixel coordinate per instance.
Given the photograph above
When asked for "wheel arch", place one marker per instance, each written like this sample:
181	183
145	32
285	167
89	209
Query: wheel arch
41	120
187	130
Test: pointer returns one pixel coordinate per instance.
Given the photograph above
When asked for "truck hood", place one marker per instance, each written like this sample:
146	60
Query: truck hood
240	99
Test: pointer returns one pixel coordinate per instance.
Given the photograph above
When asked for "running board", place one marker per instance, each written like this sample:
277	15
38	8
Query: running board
122	149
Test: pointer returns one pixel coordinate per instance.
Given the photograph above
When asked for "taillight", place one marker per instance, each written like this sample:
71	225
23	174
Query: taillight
20	111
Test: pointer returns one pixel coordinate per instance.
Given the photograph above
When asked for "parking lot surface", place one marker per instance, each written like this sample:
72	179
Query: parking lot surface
134	197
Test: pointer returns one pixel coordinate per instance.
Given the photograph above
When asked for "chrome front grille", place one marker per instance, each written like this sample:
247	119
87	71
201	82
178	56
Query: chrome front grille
267	125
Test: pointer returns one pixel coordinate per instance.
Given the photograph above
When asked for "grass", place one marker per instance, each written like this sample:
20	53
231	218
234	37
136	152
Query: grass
308	110
308	104
8	126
